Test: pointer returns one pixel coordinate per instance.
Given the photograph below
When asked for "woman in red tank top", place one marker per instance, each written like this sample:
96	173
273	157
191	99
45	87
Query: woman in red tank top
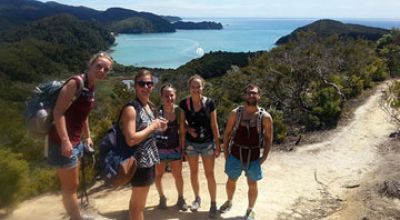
70	124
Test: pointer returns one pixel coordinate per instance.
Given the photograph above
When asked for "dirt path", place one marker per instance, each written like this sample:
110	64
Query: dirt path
309	183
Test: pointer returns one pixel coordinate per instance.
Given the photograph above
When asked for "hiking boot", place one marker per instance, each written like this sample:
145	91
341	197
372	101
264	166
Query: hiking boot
163	203
195	204
250	215
181	204
213	210
225	207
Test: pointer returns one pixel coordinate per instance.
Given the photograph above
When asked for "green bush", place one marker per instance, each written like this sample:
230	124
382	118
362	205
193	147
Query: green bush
326	114
279	126
13	177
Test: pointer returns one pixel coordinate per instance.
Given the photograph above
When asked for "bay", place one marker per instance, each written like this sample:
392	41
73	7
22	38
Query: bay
170	50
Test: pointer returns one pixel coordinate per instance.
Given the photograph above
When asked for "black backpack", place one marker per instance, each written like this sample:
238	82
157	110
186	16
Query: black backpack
117	161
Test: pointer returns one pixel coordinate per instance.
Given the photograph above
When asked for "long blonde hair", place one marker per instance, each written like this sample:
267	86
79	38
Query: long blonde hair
98	55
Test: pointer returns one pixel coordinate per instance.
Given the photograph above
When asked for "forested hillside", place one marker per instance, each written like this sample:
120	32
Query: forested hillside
327	27
305	83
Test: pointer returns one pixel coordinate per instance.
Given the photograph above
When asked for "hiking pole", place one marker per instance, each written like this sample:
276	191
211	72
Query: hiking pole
83	192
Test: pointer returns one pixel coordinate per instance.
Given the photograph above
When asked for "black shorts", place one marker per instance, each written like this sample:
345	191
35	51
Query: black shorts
144	176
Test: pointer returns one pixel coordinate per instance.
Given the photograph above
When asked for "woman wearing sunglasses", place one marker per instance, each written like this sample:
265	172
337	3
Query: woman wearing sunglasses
138	127
70	133
198	121
169	147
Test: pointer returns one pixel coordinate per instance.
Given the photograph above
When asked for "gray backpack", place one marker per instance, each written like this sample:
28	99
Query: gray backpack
39	107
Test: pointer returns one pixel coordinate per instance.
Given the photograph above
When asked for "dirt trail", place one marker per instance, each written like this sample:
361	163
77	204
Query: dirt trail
308	183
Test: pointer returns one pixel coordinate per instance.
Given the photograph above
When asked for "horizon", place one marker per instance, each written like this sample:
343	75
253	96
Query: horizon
307	9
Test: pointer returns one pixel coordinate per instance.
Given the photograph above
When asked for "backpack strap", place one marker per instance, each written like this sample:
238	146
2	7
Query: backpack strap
80	85
260	130
239	113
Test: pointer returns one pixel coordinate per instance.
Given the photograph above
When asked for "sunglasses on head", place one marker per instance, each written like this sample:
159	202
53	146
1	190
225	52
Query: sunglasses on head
145	83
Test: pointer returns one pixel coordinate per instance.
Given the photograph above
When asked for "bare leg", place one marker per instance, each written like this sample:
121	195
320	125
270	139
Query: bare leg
253	192
160	169
230	188
138	202
208	163
176	167
69	179
194	174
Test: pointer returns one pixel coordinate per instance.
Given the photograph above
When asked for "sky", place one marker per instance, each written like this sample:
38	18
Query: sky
385	9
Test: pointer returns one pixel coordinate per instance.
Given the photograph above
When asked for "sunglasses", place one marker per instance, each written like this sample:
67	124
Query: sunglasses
149	84
99	67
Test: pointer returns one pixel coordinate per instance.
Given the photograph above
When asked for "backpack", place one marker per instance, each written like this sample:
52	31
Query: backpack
239	114
39	107
117	163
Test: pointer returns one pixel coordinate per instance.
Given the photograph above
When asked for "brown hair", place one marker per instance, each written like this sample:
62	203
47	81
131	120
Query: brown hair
167	86
143	72
98	55
251	86
196	76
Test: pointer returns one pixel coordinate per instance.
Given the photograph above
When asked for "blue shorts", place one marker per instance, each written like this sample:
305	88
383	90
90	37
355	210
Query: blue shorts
233	168
170	156
57	160
202	149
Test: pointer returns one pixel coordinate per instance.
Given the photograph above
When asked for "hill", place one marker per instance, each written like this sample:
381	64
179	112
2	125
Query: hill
119	20
17	12
197	25
326	27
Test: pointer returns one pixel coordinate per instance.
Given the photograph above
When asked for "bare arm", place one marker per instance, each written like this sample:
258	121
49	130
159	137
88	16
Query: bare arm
86	133
128	125
215	131
228	131
182	129
63	102
268	136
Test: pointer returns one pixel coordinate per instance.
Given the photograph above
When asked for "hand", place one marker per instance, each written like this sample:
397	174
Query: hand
217	151
160	124
263	159
88	144
66	148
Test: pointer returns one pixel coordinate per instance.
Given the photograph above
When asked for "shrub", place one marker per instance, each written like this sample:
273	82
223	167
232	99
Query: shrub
13	177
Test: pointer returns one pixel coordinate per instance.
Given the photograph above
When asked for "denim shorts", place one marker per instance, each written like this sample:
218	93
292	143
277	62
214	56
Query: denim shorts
57	160
170	156
202	149
234	168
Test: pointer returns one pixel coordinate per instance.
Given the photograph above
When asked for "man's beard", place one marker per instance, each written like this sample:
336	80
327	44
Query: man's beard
252	102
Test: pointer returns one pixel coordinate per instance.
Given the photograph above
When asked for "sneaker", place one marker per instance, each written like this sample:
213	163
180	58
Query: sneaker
163	203
181	204
213	211
225	207
250	215
87	217
195	204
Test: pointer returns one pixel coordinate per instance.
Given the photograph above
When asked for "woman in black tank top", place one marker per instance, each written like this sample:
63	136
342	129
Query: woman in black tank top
169	148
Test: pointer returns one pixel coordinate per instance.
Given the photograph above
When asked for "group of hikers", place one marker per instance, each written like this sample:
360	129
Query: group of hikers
167	134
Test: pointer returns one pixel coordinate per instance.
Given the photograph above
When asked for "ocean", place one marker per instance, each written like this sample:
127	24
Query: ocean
170	50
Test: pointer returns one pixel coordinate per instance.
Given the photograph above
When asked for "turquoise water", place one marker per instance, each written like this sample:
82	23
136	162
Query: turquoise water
170	50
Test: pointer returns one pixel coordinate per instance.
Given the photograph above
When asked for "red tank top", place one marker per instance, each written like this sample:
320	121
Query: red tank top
75	116
249	138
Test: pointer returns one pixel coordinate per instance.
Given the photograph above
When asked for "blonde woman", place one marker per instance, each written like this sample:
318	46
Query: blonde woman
201	139
71	132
